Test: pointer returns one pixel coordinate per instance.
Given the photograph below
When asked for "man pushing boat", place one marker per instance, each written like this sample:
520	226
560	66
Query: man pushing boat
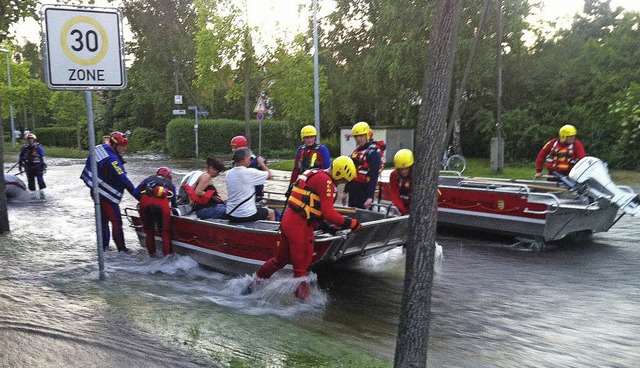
310	205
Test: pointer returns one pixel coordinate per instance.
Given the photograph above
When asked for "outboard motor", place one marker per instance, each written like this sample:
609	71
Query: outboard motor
594	174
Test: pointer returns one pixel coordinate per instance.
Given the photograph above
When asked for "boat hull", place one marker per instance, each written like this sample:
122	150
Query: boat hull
243	248
528	209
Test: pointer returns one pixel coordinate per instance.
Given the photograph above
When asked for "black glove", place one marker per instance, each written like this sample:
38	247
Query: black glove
328	228
352	224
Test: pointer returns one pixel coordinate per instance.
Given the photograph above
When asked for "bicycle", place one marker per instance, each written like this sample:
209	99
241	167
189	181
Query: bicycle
453	162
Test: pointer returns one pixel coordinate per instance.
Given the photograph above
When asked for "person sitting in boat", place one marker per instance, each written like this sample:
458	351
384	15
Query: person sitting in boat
112	182
400	180
31	161
560	154
203	196
311	155
366	156
241	183
310	206
157	196
257	162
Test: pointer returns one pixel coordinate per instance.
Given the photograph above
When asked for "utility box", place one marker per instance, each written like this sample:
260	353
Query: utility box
395	139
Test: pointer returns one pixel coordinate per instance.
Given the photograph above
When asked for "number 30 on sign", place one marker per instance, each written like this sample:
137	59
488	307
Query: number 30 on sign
83	48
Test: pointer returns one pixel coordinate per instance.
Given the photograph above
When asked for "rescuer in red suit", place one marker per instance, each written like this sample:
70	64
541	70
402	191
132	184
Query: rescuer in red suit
309	206
400	180
157	196
560	154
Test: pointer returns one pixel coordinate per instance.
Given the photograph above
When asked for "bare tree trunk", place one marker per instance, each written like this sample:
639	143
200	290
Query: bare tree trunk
247	87
413	331
454	119
4	215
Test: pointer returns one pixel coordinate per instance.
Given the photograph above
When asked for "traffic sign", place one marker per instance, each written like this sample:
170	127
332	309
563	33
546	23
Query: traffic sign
203	112
177	99
260	116
260	106
179	112
193	107
83	48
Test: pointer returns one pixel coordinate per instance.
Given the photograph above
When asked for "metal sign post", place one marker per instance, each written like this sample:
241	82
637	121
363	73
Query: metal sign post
260	108
84	51
195	126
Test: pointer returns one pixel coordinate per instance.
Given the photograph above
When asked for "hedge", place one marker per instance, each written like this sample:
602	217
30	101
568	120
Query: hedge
59	137
214	137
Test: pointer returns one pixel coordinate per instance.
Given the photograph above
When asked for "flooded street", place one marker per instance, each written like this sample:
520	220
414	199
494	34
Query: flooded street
576	305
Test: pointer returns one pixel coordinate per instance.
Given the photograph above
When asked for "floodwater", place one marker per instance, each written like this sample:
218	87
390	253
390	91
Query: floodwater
575	305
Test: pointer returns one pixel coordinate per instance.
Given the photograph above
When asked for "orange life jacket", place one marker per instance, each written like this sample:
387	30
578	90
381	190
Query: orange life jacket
304	200
359	157
561	157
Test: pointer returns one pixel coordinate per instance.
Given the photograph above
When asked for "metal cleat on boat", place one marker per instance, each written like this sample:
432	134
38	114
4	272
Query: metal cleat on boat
593	173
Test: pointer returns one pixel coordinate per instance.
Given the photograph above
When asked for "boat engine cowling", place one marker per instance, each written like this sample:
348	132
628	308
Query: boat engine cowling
594	174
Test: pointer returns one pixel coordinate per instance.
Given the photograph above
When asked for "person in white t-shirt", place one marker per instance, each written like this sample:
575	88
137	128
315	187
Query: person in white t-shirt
241	181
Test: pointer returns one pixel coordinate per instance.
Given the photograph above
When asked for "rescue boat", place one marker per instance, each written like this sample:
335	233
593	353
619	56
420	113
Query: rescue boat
241	248
586	201
14	186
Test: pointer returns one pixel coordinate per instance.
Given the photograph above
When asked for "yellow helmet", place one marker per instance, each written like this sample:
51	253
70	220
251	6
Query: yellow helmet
308	131
567	131
403	159
360	129
343	168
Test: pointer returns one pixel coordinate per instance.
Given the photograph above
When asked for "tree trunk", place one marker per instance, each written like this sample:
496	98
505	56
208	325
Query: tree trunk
247	88
413	331
4	215
454	120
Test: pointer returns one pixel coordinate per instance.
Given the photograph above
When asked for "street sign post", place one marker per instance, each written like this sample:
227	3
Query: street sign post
84	51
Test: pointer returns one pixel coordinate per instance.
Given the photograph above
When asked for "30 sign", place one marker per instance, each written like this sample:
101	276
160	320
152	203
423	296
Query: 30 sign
83	48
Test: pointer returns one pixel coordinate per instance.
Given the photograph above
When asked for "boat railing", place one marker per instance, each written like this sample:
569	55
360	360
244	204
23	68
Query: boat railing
557	204
495	185
457	174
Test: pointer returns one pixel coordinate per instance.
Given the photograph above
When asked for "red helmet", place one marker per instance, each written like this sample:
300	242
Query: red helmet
239	141
164	171
118	138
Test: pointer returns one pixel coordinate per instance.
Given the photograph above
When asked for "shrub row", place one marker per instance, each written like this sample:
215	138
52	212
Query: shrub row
214	136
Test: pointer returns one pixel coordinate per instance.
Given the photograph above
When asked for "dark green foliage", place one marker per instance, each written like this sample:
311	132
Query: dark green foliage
214	137
146	140
58	136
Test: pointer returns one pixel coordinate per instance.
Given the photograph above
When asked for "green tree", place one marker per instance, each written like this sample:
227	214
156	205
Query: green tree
290	82
162	62
69	109
10	12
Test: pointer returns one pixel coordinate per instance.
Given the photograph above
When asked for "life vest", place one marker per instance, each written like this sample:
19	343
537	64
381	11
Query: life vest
359	157
309	158
561	158
304	200
112	177
31	155
210	195
159	187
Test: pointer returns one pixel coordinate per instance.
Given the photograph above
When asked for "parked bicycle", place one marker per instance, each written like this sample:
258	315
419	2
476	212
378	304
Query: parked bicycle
453	162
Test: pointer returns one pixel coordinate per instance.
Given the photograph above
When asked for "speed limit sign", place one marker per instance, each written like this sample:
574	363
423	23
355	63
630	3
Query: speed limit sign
83	48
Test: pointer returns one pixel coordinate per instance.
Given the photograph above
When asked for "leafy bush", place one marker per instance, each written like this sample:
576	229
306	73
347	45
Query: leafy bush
214	136
59	136
145	140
